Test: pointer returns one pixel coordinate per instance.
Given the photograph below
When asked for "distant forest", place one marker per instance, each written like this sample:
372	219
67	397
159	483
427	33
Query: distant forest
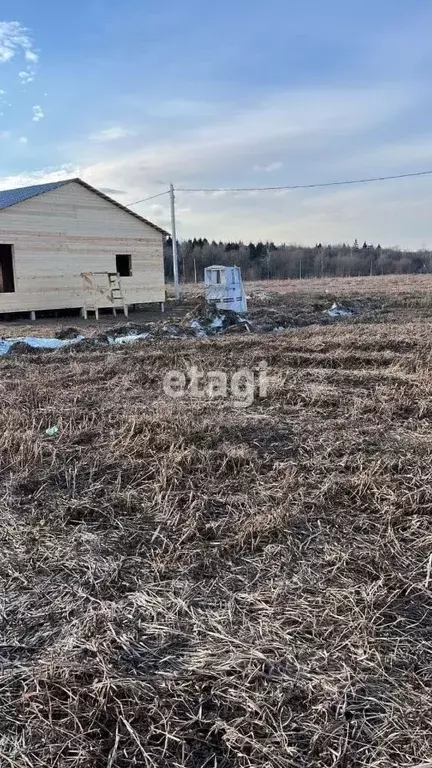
267	261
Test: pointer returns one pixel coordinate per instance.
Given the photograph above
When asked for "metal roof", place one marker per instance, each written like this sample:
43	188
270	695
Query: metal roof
10	197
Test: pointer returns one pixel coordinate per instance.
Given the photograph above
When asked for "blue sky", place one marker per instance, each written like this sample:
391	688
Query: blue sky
236	93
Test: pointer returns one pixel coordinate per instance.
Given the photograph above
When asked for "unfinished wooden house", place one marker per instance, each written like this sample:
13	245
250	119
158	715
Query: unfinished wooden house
65	245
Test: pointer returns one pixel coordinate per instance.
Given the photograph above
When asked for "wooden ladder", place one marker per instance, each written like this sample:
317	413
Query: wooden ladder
116	292
114	295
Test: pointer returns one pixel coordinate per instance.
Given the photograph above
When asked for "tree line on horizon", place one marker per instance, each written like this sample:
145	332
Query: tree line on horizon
267	261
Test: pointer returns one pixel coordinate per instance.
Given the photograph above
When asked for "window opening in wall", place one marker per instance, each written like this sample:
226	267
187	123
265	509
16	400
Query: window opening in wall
7	280
124	264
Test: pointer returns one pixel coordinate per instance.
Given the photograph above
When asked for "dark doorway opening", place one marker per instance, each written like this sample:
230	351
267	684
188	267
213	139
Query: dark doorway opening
7	281
124	264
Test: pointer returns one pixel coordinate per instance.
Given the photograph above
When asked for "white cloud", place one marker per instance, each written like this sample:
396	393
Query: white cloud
38	113
32	57
5	134
44	176
158	213
269	168
111	134
23	140
178	109
395	154
14	38
26	77
318	136
297	123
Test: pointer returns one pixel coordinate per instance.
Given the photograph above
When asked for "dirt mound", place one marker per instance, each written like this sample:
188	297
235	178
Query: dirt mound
86	345
243	326
208	320
102	338
128	329
65	334
170	330
22	348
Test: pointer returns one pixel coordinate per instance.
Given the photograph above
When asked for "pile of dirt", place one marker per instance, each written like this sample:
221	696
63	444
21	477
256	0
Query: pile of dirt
66	334
204	321
86	345
129	329
21	348
243	326
207	320
339	310
171	330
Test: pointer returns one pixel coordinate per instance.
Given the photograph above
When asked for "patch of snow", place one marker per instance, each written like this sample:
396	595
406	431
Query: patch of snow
129	337
37	343
199	330
337	311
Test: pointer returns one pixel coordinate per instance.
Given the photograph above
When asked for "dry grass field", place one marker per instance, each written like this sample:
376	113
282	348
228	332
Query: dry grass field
187	583
381	285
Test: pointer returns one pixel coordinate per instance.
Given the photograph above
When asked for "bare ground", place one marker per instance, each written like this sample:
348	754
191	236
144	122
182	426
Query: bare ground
188	583
373	298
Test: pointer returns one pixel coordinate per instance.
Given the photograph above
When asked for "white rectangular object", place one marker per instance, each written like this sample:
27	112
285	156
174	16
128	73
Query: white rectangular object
224	288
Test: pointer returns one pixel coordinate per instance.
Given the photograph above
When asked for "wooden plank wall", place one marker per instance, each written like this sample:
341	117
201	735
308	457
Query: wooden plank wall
62	233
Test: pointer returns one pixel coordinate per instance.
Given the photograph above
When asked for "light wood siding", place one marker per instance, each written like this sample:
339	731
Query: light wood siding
60	234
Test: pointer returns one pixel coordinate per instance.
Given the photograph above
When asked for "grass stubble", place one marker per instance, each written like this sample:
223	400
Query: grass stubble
190	584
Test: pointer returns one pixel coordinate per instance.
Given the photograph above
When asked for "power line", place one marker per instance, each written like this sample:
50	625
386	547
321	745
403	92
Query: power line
307	186
171	191
153	197
287	186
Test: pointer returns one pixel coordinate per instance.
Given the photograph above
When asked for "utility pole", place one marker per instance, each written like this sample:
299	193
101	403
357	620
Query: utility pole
174	244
